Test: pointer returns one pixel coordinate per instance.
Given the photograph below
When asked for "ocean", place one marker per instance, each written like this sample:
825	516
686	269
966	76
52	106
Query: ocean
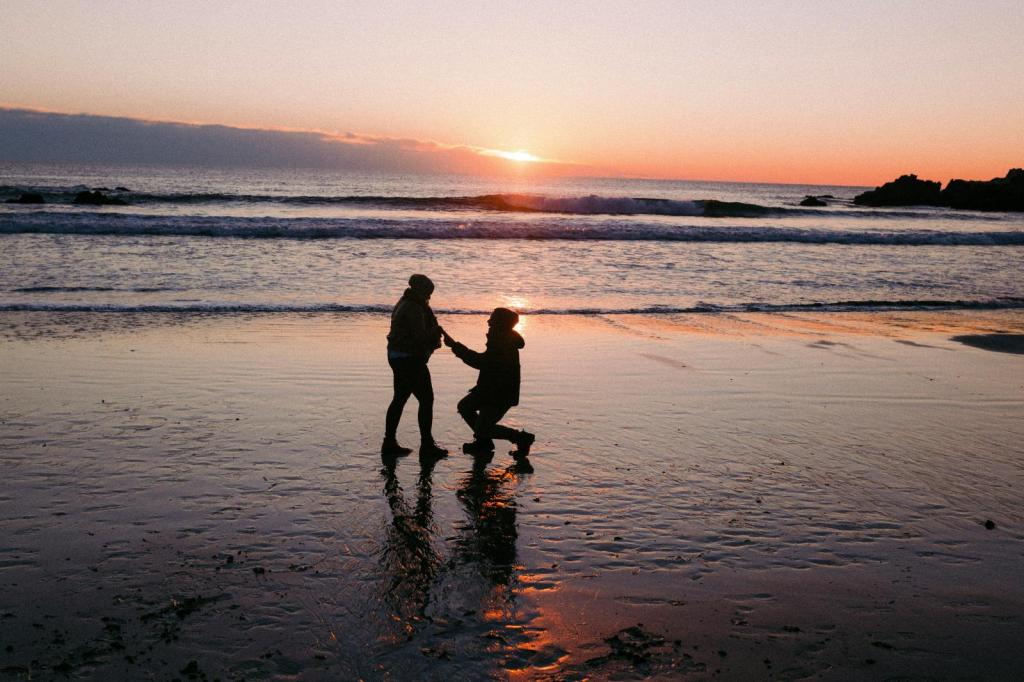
772	441
229	240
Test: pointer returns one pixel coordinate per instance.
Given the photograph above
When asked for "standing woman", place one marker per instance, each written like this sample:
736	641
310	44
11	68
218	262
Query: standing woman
413	338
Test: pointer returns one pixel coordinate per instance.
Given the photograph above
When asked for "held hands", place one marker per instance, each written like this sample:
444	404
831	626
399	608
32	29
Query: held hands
448	341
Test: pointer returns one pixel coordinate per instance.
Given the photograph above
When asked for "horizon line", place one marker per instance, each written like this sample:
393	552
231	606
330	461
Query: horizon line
507	166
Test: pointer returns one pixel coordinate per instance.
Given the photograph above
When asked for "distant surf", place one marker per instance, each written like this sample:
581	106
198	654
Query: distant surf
584	205
512	203
198	241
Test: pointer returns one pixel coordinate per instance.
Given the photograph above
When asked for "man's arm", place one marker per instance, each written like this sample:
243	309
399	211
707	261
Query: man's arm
467	355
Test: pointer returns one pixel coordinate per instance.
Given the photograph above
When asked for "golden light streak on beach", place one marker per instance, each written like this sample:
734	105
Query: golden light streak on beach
540	642
493	615
894	324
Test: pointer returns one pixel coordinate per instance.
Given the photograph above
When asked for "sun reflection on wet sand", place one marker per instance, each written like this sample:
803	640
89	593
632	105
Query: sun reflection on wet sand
807	324
438	586
765	486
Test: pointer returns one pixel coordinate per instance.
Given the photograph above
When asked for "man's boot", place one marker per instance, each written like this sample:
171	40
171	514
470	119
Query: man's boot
524	440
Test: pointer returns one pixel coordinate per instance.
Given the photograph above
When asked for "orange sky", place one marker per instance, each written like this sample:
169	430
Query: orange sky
851	93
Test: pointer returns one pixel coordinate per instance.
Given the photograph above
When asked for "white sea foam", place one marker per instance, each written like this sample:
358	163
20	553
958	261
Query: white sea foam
702	308
126	224
222	241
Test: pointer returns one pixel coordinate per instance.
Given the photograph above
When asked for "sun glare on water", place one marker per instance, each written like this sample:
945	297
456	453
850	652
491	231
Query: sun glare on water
520	304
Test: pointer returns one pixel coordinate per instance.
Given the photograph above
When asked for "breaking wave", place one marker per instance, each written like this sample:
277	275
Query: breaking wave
513	203
128	224
700	308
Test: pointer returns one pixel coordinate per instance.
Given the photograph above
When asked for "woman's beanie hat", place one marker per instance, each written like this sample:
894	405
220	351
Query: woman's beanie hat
421	283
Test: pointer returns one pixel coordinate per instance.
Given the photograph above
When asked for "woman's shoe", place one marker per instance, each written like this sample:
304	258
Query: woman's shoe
432	450
391	448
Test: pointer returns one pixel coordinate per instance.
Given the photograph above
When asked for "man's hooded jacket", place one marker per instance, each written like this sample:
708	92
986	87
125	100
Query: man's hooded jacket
498	383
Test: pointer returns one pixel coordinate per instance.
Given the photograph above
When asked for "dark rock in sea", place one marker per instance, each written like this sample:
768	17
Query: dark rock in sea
998	194
812	201
27	198
101	189
97	199
990	524
119	188
906	190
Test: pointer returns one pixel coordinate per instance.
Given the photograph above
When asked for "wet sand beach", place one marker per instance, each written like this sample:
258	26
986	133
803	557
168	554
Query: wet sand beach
748	496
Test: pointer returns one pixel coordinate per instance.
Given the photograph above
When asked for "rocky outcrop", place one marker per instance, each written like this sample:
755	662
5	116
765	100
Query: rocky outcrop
905	190
27	198
812	201
998	194
97	199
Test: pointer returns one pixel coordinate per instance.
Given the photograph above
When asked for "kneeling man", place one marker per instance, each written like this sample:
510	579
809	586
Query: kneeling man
497	387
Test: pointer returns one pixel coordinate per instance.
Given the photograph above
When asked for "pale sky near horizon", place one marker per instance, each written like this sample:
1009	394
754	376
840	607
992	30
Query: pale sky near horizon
841	92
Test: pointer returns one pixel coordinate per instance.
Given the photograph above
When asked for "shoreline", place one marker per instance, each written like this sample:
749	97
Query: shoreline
736	495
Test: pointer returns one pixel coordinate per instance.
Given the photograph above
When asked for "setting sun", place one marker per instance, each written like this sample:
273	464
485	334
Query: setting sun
518	156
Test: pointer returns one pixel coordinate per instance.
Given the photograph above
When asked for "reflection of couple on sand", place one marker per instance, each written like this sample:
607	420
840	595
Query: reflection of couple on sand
414	336
415	568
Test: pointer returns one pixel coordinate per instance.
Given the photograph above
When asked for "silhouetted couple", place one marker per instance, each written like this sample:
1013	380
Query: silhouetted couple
414	336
